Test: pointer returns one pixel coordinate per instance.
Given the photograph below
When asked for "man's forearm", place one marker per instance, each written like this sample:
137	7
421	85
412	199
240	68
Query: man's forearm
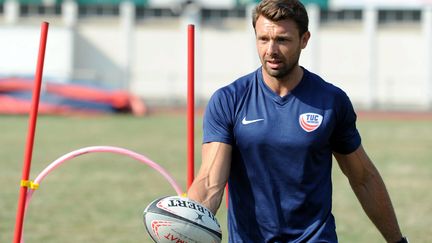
209	184
376	202
209	196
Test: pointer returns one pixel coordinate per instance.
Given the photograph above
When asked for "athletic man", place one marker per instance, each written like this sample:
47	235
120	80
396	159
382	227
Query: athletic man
272	134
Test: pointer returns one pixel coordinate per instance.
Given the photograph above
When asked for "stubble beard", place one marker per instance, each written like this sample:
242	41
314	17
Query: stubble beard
283	72
286	69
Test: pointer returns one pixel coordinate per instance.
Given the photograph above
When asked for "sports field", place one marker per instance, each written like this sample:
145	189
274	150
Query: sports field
100	197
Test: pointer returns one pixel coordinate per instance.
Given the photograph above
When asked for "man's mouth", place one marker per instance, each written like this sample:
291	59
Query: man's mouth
274	64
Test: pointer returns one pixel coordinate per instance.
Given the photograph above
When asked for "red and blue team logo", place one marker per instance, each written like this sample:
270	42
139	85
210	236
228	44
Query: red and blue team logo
310	121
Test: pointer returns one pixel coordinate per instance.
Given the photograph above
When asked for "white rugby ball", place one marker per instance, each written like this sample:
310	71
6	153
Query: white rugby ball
180	219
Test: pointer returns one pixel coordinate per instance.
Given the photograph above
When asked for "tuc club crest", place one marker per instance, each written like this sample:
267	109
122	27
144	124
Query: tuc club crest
310	121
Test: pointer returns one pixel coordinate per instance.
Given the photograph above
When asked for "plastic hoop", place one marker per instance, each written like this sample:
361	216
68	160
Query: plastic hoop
117	150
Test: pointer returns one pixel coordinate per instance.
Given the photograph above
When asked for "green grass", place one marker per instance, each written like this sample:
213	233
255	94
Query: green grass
402	152
100	197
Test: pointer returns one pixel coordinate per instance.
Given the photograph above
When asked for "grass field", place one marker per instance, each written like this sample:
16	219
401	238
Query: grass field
100	197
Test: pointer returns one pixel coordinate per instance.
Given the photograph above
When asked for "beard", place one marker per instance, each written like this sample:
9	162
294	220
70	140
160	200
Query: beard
285	66
279	73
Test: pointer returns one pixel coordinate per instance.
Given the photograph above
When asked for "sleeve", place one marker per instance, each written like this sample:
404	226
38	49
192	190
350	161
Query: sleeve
218	117
345	138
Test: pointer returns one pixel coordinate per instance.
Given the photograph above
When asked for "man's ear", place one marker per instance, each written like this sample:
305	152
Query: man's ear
305	39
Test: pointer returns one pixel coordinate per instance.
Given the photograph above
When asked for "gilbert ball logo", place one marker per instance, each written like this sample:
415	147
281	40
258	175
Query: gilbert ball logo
310	121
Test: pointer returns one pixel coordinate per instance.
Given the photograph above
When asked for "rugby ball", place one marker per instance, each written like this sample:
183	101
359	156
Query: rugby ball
180	219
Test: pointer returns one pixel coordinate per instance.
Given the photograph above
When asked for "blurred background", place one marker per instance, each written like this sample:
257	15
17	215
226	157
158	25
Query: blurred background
130	57
378	51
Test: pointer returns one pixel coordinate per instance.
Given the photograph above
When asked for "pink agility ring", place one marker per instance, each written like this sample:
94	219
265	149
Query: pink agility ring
110	149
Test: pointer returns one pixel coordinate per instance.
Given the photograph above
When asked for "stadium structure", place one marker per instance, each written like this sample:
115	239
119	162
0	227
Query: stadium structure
378	51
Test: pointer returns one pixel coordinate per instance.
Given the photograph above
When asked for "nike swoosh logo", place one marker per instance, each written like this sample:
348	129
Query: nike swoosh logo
245	122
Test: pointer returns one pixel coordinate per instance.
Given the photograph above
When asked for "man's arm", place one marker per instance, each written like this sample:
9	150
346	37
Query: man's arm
370	190
209	184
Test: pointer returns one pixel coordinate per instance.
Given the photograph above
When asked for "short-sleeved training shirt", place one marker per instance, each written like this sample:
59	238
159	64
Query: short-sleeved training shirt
280	187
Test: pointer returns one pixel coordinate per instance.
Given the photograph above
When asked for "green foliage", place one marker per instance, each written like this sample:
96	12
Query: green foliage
109	2
322	3
100	197
81	2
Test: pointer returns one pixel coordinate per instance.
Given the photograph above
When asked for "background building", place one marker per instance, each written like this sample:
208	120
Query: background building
378	51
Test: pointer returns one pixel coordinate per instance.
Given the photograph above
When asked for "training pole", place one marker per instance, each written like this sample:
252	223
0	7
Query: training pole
30	135
191	106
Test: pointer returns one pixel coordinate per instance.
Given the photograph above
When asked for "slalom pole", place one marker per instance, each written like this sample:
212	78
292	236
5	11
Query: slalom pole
25	183
190	106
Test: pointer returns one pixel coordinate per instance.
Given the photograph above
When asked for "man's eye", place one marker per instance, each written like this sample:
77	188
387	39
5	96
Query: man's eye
282	39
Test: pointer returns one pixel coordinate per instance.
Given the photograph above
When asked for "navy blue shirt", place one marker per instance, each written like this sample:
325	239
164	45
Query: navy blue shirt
280	178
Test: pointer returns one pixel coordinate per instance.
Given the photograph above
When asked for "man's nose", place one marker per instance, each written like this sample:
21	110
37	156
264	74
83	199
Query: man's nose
271	48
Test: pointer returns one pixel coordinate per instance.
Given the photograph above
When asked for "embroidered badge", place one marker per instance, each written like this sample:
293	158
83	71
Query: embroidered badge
310	121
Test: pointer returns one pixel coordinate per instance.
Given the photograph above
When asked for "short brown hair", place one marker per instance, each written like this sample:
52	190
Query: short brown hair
276	10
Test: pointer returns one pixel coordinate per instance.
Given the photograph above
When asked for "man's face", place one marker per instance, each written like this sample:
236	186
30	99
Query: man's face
279	46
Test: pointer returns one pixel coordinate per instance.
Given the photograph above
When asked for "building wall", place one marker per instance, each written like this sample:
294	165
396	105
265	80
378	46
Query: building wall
151	60
19	47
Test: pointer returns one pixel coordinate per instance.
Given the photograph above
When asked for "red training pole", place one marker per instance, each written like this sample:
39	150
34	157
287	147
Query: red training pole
190	106
30	134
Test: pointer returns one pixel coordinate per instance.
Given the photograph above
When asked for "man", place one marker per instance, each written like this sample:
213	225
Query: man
272	134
